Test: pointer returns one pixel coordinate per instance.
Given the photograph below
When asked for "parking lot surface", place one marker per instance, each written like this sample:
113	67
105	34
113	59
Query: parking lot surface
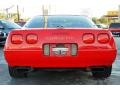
60	78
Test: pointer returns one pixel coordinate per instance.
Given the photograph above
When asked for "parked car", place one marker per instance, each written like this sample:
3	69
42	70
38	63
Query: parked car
21	23
62	42
101	26
3	37
115	29
5	28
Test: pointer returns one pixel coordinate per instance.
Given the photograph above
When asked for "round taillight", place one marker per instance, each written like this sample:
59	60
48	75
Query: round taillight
103	38
32	39
16	39
88	38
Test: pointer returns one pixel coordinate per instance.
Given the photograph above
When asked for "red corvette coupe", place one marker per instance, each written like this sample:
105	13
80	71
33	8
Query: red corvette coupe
60	42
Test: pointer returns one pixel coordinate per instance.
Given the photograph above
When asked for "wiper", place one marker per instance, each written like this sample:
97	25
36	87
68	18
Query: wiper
59	26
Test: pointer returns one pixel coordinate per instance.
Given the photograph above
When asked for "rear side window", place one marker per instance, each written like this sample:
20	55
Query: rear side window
114	25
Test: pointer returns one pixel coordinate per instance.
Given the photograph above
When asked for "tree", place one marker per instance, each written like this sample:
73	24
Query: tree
2	16
9	16
103	20
95	19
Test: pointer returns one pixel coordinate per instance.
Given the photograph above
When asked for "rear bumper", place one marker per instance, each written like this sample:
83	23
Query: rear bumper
36	59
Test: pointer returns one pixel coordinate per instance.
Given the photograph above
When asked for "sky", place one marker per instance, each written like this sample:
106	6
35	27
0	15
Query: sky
30	8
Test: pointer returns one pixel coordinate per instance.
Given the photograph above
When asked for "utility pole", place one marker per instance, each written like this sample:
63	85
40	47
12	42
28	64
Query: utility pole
7	11
18	14
45	15
119	13
7	14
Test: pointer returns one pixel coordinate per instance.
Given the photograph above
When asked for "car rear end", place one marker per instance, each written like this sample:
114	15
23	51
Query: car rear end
60	47
53	48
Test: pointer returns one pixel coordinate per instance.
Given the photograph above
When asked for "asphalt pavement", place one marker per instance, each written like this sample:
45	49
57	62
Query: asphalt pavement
60	78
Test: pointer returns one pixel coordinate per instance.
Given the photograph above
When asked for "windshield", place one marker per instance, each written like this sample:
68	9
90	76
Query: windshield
61	21
11	25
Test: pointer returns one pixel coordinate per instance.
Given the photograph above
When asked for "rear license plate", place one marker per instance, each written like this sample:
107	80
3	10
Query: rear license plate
60	51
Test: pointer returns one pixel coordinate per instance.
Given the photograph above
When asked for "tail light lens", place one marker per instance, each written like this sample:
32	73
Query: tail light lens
17	39
103	38
88	38
32	39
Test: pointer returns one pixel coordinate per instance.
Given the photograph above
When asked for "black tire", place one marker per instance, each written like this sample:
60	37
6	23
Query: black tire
102	72
17	73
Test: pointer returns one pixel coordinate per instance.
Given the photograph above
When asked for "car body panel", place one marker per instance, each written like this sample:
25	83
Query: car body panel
37	59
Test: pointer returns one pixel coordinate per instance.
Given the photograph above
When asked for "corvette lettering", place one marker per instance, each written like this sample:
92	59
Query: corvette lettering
59	38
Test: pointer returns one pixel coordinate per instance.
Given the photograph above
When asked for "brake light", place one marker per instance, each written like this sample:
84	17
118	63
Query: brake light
88	38
17	39
103	38
32	39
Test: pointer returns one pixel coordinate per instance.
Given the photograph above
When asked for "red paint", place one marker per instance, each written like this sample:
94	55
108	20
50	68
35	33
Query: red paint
94	53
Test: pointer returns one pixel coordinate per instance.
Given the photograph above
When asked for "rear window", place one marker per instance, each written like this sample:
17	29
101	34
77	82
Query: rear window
114	25
69	22
36	22
61	21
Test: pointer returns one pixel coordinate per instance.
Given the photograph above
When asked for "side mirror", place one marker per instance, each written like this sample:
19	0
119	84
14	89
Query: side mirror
1	27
